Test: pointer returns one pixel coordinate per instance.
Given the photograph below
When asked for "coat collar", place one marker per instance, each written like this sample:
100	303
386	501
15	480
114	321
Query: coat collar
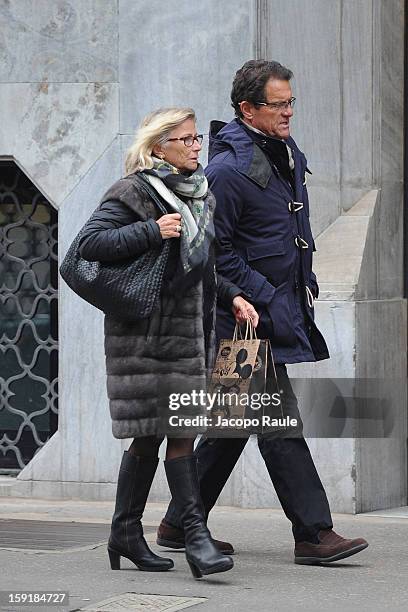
251	160
259	170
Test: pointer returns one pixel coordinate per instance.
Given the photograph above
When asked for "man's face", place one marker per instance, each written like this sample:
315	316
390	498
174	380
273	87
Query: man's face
272	121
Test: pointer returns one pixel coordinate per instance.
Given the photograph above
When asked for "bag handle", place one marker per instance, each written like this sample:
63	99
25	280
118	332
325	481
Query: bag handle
237	331
250	331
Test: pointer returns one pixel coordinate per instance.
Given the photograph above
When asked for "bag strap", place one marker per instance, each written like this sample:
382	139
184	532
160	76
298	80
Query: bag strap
144	184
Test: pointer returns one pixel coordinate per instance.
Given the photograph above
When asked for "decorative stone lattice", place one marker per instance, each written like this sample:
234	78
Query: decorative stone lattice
28	318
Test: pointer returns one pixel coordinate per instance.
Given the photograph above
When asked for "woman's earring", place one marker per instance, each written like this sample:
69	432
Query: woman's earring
161	155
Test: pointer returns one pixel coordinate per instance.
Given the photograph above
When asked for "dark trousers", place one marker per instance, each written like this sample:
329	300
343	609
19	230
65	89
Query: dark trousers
290	467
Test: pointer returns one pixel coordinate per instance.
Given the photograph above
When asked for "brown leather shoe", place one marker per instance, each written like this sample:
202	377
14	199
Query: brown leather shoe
172	537
331	547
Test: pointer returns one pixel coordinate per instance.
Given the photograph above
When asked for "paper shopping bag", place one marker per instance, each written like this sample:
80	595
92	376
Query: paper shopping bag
243	391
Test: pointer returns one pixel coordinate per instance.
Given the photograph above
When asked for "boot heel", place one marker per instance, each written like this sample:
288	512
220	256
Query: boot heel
194	570
114	559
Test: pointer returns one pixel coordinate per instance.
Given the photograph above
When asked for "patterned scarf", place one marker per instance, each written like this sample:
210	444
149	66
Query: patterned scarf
194	205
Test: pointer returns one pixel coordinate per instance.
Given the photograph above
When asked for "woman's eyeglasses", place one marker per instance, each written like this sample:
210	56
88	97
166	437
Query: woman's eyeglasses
189	140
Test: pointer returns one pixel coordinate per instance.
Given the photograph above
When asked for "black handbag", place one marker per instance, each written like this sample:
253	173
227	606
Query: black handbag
129	289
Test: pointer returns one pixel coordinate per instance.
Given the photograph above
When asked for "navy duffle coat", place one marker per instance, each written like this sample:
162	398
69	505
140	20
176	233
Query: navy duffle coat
264	241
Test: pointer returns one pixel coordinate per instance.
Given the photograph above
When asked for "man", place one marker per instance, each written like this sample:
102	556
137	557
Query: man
264	246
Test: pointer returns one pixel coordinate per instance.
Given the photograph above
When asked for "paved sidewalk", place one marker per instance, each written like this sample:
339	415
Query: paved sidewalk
264	577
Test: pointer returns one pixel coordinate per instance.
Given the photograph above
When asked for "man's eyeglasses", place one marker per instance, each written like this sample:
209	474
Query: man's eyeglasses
189	140
278	105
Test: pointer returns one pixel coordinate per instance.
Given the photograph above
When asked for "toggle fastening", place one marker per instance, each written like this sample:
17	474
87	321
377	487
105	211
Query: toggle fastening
309	297
302	244
295	206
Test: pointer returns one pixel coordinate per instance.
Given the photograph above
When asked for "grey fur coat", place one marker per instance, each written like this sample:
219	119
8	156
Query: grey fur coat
148	360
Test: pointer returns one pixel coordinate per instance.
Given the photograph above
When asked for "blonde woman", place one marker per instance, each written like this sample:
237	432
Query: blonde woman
171	350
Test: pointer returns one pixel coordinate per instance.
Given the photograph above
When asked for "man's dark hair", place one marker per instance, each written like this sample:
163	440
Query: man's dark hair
250	80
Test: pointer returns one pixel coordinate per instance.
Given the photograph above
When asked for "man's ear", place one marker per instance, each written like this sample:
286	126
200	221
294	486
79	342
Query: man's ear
247	109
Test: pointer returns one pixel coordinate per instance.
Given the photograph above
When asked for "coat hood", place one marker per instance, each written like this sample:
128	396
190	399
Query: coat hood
249	159
228	136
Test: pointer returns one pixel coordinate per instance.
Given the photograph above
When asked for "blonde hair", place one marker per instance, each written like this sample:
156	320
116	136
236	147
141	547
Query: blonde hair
154	129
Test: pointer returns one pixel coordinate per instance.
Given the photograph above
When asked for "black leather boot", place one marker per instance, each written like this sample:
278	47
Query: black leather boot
216	458
126	539
202	554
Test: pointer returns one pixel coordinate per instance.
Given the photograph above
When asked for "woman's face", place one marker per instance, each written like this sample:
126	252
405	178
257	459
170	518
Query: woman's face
176	153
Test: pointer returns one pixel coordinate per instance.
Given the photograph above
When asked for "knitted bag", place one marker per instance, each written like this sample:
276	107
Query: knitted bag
128	289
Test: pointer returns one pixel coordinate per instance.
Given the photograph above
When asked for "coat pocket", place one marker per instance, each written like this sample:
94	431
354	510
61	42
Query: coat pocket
282	318
268	258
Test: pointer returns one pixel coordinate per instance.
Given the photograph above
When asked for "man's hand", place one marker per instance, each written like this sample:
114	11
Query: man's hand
243	311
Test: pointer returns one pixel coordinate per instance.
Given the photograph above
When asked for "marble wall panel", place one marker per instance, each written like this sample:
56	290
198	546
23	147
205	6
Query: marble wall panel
324	200
358	103
389	155
389	235
382	462
57	131
185	55
350	195
89	451
41	466
391	87
60	41
382	474
305	37
81	201
351	240
336	465
367	283
389	319
342	243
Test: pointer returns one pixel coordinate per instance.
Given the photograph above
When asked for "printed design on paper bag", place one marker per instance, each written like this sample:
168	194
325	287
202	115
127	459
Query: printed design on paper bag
232	374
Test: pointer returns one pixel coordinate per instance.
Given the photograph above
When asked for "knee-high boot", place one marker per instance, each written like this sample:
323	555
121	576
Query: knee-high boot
126	539
202	555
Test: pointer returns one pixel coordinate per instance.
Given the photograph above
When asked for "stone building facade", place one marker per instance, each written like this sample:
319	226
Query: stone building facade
76	77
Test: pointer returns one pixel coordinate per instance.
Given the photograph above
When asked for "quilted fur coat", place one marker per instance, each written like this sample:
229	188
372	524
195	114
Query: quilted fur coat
171	351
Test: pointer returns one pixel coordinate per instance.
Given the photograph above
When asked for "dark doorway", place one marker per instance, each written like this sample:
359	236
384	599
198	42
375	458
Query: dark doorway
28	319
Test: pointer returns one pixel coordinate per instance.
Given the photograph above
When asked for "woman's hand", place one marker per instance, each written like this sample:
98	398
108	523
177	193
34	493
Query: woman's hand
170	225
243	311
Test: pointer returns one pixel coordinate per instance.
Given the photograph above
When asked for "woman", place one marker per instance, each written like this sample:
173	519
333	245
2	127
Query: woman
171	350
